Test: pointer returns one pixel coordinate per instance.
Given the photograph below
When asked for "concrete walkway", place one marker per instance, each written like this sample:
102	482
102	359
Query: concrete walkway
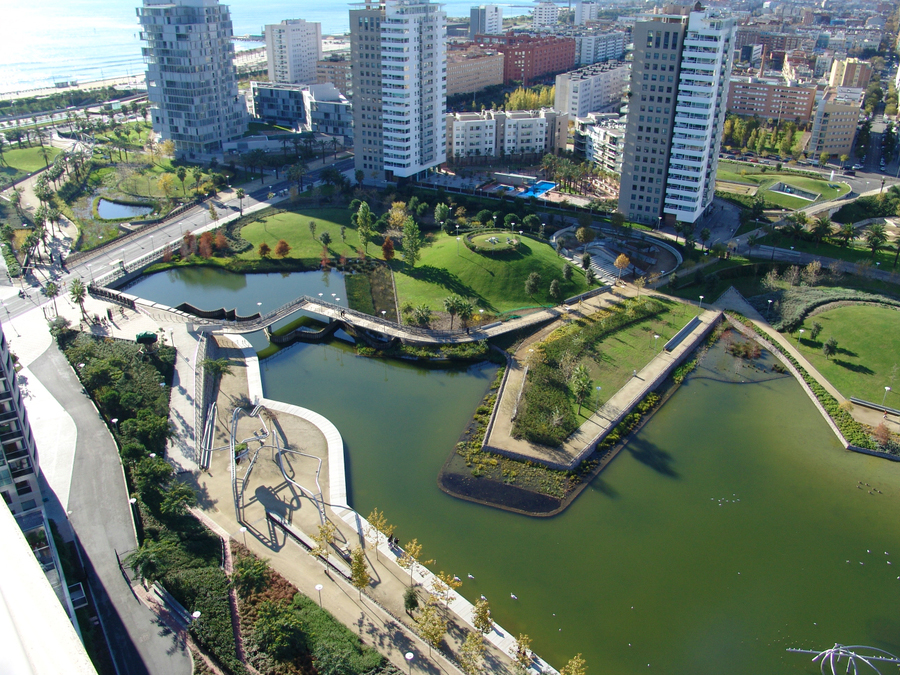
584	439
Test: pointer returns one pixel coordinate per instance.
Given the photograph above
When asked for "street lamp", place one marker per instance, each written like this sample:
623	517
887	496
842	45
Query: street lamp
800	335
383	312
244	533
701	303
409	659
656	339
115	421
884	398
319	588
769	311
196	615
457	245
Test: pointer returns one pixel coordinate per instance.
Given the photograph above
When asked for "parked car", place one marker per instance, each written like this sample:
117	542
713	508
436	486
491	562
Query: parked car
857	167
849	172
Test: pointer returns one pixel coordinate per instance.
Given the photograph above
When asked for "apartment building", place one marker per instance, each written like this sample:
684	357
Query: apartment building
596	88
191	80
335	69
293	47
529	59
18	459
850	73
771	98
600	138
473	69
586	12
399	75
485	19
594	46
679	88
834	122
497	133
544	16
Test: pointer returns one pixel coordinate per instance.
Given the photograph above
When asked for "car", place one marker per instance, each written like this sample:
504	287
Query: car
849	172
857	167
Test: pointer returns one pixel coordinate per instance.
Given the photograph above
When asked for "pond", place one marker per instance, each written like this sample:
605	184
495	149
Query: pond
108	210
732	526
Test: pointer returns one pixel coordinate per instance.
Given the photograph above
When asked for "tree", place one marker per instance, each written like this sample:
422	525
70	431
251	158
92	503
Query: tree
581	385
567	272
532	283
250	575
441	213
816	329
324	538
844	159
278	630
821	228
181	172
876	237
77	293
387	249
167	148
359	570
410	600
847	234
705	234
752	241
149	559
217	367
555	291
213	214
432	626
343	232
812	273
196	174
325	238
584	235
465	310
296	173
422	314
264	250
585	260
621	263
166	185
378	525
312	229
240	194
178	498
639	284
575	666
829	349
481	617
412	241
590	277
617	220
51	290
410	557
364	220
471	653
823	158
451	306
282	248
522	653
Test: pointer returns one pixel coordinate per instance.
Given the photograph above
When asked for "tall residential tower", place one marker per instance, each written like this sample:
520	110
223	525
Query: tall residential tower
292	49
485	20
191	80
399	72
679	87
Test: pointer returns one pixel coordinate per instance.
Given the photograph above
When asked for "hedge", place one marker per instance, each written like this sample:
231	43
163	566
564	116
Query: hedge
794	304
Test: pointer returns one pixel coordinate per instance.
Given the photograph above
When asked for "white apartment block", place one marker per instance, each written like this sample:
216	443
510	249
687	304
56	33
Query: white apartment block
485	20
585	12
191	80
495	133
545	15
596	88
399	73
596	47
292	49
600	139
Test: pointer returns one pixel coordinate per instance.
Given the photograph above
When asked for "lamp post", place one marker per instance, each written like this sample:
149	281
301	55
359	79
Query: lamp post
409	659
319	588
383	312
91	271
884	398
800	335
656	339
769	311
701	303
457	246
196	615
244	533
115	421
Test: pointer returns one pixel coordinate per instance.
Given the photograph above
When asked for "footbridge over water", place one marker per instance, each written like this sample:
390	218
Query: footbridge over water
356	321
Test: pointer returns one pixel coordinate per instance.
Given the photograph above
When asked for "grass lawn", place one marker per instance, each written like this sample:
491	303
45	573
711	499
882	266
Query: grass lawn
855	253
764	180
18	163
629	349
293	227
493	283
868	350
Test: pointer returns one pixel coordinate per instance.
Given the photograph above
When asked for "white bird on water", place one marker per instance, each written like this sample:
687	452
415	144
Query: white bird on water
483	598
471	576
513	596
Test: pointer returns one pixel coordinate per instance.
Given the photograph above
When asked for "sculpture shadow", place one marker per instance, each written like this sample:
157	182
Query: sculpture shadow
653	456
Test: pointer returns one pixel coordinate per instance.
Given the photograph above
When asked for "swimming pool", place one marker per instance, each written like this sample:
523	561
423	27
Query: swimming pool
537	189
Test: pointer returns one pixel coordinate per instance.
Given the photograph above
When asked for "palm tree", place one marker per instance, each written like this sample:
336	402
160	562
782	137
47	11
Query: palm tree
181	172
821	228
752	241
465	310
847	234
240	194
77	293
451	306
196	174
296	173
875	237
51	290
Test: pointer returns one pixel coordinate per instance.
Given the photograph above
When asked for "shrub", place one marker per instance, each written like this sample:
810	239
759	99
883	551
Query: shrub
791	306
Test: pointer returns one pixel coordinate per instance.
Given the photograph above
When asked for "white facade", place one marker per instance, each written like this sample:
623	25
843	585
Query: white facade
546	15
596	47
596	88
292	49
495	133
706	61
485	20
471	135
327	111
399	67
586	11
191	80
600	139
524	134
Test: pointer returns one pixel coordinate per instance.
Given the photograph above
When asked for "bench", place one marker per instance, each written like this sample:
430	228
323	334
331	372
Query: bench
333	561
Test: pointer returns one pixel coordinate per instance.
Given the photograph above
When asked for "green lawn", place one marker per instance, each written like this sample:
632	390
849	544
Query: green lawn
293	227
868	350
856	252
18	163
494	283
755	176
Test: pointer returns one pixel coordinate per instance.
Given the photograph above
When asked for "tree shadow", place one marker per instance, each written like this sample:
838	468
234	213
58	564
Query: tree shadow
855	367
653	456
444	279
845	352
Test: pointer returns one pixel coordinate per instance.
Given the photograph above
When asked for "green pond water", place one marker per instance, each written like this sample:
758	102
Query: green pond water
730	528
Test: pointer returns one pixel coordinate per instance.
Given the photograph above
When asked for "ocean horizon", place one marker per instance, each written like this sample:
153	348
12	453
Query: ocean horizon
49	41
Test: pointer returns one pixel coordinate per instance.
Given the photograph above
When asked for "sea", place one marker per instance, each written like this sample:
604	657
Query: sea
44	42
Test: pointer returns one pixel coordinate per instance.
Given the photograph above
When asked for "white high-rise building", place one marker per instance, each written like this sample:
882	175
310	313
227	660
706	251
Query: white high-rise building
545	15
596	88
586	11
485	20
191	80
292	49
399	72
679	89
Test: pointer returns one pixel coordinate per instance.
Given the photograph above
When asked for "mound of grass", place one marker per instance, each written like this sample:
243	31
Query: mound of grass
293	227
493	283
18	163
